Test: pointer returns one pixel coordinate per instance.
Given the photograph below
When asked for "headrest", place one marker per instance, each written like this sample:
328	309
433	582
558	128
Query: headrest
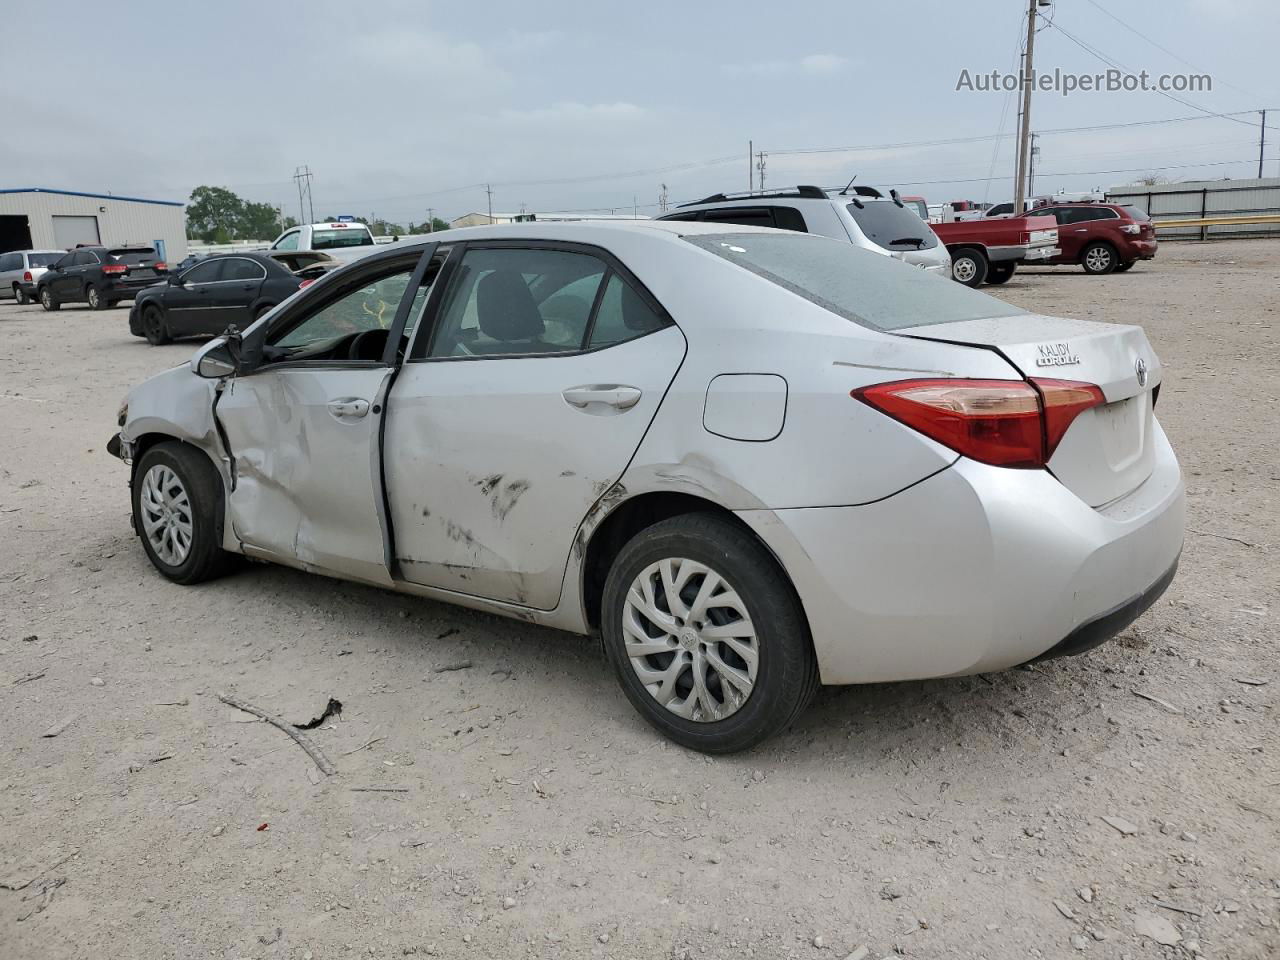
505	307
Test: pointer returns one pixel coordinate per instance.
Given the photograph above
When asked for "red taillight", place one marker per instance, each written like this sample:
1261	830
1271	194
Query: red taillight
1006	423
26	276
306	283
161	265
112	268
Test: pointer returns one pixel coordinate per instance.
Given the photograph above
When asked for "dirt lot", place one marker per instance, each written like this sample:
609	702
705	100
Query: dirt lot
525	810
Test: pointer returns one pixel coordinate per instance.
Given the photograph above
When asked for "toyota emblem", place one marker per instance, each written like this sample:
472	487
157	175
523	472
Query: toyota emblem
1140	368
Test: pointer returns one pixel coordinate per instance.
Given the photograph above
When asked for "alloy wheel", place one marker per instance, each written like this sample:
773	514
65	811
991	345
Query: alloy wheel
964	269
1098	259
46	298
690	640
166	514
93	298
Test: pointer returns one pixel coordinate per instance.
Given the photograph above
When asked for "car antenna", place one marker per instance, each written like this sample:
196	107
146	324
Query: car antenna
896	199
848	185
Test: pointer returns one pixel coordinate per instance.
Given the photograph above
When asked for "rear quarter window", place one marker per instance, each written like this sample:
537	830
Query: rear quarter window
865	287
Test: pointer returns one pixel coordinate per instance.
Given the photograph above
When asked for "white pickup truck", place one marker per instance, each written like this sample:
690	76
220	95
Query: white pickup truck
343	240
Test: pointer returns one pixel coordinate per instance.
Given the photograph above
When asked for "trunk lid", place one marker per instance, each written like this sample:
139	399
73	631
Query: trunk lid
1108	451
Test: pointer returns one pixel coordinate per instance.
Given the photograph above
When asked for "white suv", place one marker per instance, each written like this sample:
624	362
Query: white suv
862	215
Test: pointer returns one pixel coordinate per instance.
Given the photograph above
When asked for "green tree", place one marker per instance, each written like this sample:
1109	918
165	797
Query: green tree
211	209
258	221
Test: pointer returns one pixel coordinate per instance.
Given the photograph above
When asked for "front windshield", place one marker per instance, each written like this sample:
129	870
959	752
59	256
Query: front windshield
868	288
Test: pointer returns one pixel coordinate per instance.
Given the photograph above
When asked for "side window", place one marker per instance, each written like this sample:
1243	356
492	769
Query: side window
288	242
623	315
241	269
206	272
506	301
63	262
9	261
370	306
743	216
83	258
682	216
789	218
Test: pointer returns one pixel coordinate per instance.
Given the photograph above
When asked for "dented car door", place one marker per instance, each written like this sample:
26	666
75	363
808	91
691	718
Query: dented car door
303	430
544	367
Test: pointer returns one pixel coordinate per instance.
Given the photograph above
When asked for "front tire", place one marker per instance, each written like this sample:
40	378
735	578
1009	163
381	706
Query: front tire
1099	259
154	328
95	298
48	300
969	266
1001	272
177	511
706	635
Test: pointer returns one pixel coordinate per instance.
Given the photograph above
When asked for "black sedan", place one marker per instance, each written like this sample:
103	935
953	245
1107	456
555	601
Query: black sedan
218	291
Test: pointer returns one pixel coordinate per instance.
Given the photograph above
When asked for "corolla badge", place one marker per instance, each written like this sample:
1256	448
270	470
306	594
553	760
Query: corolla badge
1140	368
1055	355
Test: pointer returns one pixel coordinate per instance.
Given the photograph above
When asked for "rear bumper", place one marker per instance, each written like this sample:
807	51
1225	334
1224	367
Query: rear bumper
977	568
1141	249
126	289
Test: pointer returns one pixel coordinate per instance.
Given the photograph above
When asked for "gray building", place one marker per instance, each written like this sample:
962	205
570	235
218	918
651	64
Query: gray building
43	219
1198	199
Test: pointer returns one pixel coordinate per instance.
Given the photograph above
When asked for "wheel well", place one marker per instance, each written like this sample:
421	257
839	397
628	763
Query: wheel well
624	523
149	440
967	248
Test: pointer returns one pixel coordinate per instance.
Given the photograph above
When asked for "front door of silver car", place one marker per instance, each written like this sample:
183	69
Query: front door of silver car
517	412
303	430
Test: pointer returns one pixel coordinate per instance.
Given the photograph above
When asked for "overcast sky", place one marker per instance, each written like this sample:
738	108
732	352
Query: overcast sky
398	107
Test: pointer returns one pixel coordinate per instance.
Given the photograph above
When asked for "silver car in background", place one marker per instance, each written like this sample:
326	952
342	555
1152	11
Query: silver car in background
20	269
865	216
750	460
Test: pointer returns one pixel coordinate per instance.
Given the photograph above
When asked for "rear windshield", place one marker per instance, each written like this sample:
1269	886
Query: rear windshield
1134	211
868	288
43	259
893	227
329	239
132	255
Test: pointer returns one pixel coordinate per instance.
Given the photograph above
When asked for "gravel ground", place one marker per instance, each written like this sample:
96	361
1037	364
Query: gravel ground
1089	806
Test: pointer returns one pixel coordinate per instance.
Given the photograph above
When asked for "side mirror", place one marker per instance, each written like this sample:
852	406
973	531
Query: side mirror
215	360
175	280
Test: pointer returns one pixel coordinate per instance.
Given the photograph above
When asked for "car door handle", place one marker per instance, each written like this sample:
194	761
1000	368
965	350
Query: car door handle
1082	229
612	394
349	407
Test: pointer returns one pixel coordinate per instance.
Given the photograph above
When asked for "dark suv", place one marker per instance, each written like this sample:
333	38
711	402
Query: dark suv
1101	237
99	276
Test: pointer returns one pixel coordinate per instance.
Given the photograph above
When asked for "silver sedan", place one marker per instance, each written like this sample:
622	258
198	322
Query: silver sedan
750	460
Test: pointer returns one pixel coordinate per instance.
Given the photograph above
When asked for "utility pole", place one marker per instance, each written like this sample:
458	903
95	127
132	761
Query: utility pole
490	193
751	177
302	176
662	200
1024	131
760	167
1031	168
1262	142
431	219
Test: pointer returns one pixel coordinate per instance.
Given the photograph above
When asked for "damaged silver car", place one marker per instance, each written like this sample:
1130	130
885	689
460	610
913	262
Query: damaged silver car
748	459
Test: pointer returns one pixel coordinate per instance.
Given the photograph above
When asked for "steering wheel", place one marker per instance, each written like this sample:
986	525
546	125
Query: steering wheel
367	345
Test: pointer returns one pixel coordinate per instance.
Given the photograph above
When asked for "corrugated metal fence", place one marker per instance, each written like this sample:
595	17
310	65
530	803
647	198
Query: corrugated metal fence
1207	198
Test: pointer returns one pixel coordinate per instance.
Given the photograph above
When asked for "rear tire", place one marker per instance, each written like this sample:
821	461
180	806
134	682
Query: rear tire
1127	265
969	266
1001	272
154	328
177	511
94	297
749	612
20	296
48	300
1099	259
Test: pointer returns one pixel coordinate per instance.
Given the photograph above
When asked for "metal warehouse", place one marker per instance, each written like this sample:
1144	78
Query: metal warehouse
42	219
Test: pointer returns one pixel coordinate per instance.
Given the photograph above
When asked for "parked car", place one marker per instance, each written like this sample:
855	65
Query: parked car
99	276
863	216
1102	237
343	239
989	250
218	291
20	269
750	460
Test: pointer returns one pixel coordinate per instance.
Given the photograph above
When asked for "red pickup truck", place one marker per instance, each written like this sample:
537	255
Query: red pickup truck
989	250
